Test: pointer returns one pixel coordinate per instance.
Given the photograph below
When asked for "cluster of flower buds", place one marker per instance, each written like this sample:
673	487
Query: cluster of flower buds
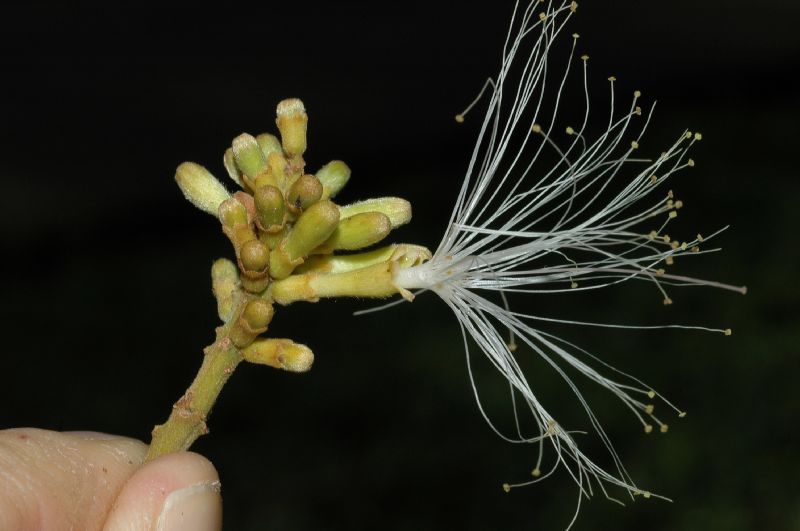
285	230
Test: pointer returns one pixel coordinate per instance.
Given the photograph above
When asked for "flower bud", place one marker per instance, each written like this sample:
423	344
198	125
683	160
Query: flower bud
225	283
280	353
201	188
313	227
253	321
236	222
333	176
248	156
254	258
305	191
397	210
357	232
268	144
230	166
292	122
279	169
270	208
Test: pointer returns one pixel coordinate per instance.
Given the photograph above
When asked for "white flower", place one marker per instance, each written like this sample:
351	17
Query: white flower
593	217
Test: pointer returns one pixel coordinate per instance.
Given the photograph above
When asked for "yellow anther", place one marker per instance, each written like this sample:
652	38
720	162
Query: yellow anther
646	494
698	136
573	285
664	428
728	331
573	6
665	238
460	118
648	428
670	203
536	472
673	214
700	237
670	194
651	394
695	249
678	204
612	78
649	409
536	128
634	145
584	57
681	414
653	179
637	93
575	36
674	245
512	347
688	134
683	246
660	272
669	260
542	16
690	163
570	130
506	487
637	111
652	235
667	301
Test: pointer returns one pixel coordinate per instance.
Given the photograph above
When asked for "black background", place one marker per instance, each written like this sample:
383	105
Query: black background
106	302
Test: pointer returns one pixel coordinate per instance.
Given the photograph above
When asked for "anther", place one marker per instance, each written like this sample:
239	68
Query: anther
536	128
573	285
612	78
542	16
649	409
573	6
536	472
678	204
664	428
700	237
648	428
637	111
728	331
652	235
651	394
690	163
506	487
584	58
575	36
667	301
634	145
637	94
669	260
660	272
673	214
460	118
570	130
698	136
681	414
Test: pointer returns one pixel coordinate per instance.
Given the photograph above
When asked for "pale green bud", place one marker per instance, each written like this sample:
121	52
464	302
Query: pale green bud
253	320
292	122
312	228
248	156
333	176
270	208
225	284
397	210
305	191
230	167
280	353
268	144
201	188
357	231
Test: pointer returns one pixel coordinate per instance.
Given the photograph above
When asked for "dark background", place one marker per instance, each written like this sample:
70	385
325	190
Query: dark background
106	302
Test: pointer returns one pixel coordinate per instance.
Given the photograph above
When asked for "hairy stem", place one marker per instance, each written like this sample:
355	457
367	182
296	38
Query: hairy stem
187	421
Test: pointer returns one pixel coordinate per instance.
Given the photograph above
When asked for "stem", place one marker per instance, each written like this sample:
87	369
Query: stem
187	421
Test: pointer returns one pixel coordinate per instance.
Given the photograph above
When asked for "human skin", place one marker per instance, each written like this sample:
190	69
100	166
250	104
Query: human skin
52	481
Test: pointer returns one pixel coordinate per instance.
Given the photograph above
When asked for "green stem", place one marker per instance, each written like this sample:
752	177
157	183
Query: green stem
187	421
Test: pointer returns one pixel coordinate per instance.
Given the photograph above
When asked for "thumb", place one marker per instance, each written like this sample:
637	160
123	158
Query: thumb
92	481
178	491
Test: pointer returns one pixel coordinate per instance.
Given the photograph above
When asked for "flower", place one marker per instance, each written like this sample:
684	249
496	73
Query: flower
523	225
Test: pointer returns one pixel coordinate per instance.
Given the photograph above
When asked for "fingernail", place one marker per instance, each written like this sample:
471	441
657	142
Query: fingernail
197	507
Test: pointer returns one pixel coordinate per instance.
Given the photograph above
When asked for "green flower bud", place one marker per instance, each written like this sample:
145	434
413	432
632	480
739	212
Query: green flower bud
253	321
268	144
397	210
305	191
375	281
279	169
357	232
248	156
254	258
225	285
333	176
312	228
230	167
292	122
270	208
201	188
280	353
